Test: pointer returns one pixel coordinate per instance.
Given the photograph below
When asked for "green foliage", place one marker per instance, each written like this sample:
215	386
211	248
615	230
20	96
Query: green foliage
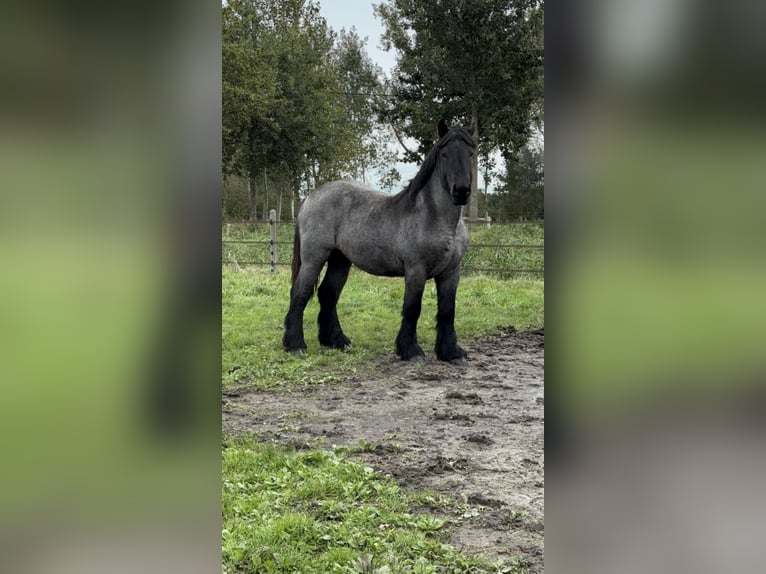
520	193
317	512
360	78
303	104
465	58
297	103
236	199
499	258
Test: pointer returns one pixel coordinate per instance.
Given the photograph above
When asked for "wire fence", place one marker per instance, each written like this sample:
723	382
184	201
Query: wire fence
504	251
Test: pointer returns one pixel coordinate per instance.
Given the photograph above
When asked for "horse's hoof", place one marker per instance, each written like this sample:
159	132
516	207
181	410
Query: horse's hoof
460	362
343	345
297	352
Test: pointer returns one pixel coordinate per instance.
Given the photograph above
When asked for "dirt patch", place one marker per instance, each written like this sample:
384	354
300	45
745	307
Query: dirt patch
473	432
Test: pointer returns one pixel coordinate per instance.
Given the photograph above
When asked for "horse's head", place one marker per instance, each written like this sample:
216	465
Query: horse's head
455	150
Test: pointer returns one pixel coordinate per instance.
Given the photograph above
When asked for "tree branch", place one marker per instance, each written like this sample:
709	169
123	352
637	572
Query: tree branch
401	142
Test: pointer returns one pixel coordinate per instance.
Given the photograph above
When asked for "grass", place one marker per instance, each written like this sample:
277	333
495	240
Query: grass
254	303
496	258
318	512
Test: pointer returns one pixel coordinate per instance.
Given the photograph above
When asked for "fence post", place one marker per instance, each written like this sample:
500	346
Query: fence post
273	226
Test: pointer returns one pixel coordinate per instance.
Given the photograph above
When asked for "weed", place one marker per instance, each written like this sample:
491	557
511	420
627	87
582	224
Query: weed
316	511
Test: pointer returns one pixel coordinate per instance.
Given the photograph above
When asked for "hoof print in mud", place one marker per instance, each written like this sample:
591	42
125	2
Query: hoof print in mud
479	439
469	398
444	464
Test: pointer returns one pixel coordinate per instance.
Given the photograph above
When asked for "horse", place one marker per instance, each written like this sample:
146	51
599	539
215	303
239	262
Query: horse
417	234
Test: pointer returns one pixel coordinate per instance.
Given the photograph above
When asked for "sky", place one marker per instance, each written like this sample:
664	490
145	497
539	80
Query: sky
359	14
345	14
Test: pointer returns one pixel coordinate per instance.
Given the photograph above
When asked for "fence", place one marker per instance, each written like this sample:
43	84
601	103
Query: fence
473	262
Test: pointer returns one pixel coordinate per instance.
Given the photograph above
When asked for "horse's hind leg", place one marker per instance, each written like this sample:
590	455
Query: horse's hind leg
300	294
330	332
447	348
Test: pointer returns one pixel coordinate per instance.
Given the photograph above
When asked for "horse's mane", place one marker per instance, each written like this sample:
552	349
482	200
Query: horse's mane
429	163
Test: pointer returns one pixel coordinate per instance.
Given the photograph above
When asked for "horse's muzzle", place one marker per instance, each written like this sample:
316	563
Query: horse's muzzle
460	195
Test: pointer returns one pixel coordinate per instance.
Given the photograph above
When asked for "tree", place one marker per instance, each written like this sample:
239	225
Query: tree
479	62
297	104
248	92
519	194
359	78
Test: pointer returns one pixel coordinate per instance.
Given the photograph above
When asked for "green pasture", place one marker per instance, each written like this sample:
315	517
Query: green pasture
255	301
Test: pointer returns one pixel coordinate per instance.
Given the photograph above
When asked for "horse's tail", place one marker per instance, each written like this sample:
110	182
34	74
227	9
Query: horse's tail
296	254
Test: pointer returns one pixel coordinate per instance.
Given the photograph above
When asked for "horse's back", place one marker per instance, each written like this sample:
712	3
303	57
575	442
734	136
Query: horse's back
343	194
339	201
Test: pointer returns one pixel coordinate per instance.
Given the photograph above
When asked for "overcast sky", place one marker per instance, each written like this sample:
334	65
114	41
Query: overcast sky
345	14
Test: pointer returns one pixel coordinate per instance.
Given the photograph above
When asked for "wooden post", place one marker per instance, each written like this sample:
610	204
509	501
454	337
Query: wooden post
273	226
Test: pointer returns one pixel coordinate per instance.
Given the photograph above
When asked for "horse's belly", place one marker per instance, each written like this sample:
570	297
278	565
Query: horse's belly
380	265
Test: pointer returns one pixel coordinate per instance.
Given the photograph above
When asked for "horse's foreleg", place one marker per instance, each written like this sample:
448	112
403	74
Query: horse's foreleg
446	347
300	294
407	347
330	332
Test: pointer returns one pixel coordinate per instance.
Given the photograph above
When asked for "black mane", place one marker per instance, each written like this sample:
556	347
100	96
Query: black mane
429	163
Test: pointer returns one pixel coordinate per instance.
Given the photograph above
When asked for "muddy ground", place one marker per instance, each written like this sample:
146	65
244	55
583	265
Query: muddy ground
472	432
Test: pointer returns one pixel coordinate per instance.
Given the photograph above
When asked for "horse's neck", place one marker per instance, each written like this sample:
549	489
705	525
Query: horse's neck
448	214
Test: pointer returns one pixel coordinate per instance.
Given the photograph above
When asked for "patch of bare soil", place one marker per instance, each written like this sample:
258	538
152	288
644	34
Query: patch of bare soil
472	432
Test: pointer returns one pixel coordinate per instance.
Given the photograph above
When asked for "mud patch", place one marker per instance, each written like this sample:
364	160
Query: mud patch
472	432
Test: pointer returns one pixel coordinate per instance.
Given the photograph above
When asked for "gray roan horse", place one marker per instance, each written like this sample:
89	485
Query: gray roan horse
417	233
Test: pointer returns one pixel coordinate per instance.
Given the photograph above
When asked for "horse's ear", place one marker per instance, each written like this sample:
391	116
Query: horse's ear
443	128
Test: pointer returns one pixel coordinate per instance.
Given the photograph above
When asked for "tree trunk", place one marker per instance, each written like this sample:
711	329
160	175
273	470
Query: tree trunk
265	197
252	191
473	202
279	201
486	186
